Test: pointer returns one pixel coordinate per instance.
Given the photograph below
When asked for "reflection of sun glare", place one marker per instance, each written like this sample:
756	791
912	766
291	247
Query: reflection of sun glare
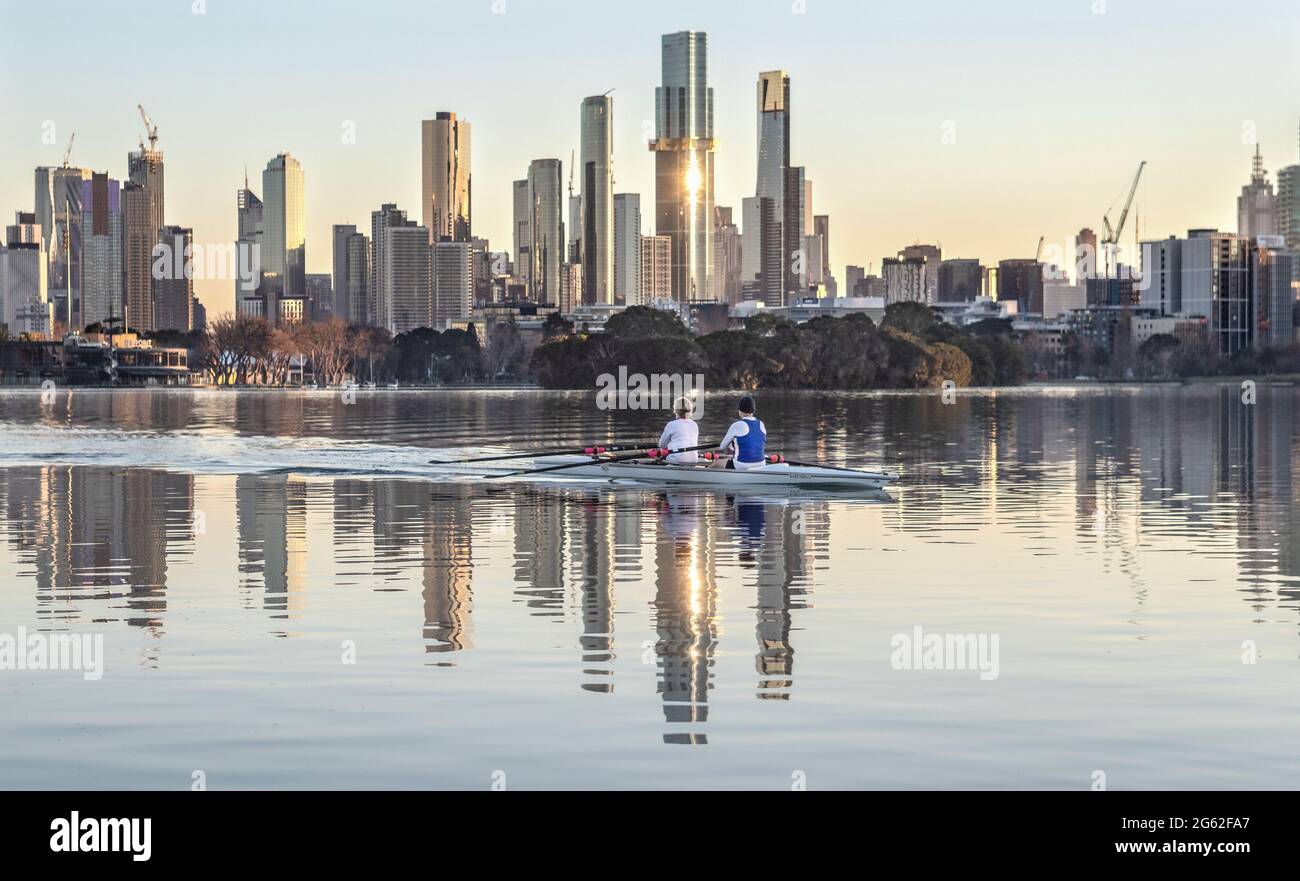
694	180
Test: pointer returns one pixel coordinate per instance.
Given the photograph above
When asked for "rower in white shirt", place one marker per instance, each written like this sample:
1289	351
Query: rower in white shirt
681	432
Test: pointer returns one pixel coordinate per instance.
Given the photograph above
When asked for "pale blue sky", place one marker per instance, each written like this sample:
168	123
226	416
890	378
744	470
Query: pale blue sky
1053	105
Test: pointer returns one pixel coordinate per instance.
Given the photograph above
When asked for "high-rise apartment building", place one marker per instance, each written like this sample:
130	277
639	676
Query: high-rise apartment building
627	249
656	269
445	182
379	306
357	279
1217	285
794	232
683	146
453	282
904	279
139	236
596	176
406	277
932	255
340	235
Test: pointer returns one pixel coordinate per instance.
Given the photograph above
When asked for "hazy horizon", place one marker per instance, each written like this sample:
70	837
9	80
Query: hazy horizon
1048	107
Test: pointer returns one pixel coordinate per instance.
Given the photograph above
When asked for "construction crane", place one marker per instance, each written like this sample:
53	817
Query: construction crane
67	154
1111	239
1038	255
150	130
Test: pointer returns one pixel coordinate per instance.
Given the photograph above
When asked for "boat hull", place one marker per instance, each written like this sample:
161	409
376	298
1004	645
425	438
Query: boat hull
781	474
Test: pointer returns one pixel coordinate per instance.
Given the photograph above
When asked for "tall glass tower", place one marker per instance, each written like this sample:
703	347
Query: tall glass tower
597	174
445	181
545	229
683	148
284	233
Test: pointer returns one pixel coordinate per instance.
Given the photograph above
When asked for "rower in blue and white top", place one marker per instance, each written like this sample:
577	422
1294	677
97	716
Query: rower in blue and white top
680	433
746	439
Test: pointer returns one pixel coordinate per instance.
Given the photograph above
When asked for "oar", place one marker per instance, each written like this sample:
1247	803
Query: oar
817	465
641	455
613	447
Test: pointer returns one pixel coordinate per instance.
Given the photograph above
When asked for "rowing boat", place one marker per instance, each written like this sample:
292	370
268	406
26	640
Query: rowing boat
777	474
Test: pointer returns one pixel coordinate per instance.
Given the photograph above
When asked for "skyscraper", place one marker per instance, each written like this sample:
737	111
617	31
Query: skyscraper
727	252
378	308
453	282
521	231
1288	212
358	280
101	250
145	169
445	182
627	248
284	234
794	232
762	264
1257	205
544	229
248	251
597	180
58	211
341	234
24	280
683	148
138	239
406	275
173	293
656	269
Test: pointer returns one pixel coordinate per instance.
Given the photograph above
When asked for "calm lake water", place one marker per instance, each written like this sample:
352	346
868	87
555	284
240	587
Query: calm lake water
1129	548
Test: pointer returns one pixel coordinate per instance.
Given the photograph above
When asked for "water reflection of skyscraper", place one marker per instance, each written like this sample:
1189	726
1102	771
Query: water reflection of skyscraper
685	611
100	535
271	517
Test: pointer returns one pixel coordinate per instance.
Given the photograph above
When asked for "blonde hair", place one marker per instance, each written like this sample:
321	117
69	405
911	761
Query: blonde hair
683	407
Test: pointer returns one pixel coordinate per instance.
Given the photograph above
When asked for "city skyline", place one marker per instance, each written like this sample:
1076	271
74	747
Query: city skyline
939	149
